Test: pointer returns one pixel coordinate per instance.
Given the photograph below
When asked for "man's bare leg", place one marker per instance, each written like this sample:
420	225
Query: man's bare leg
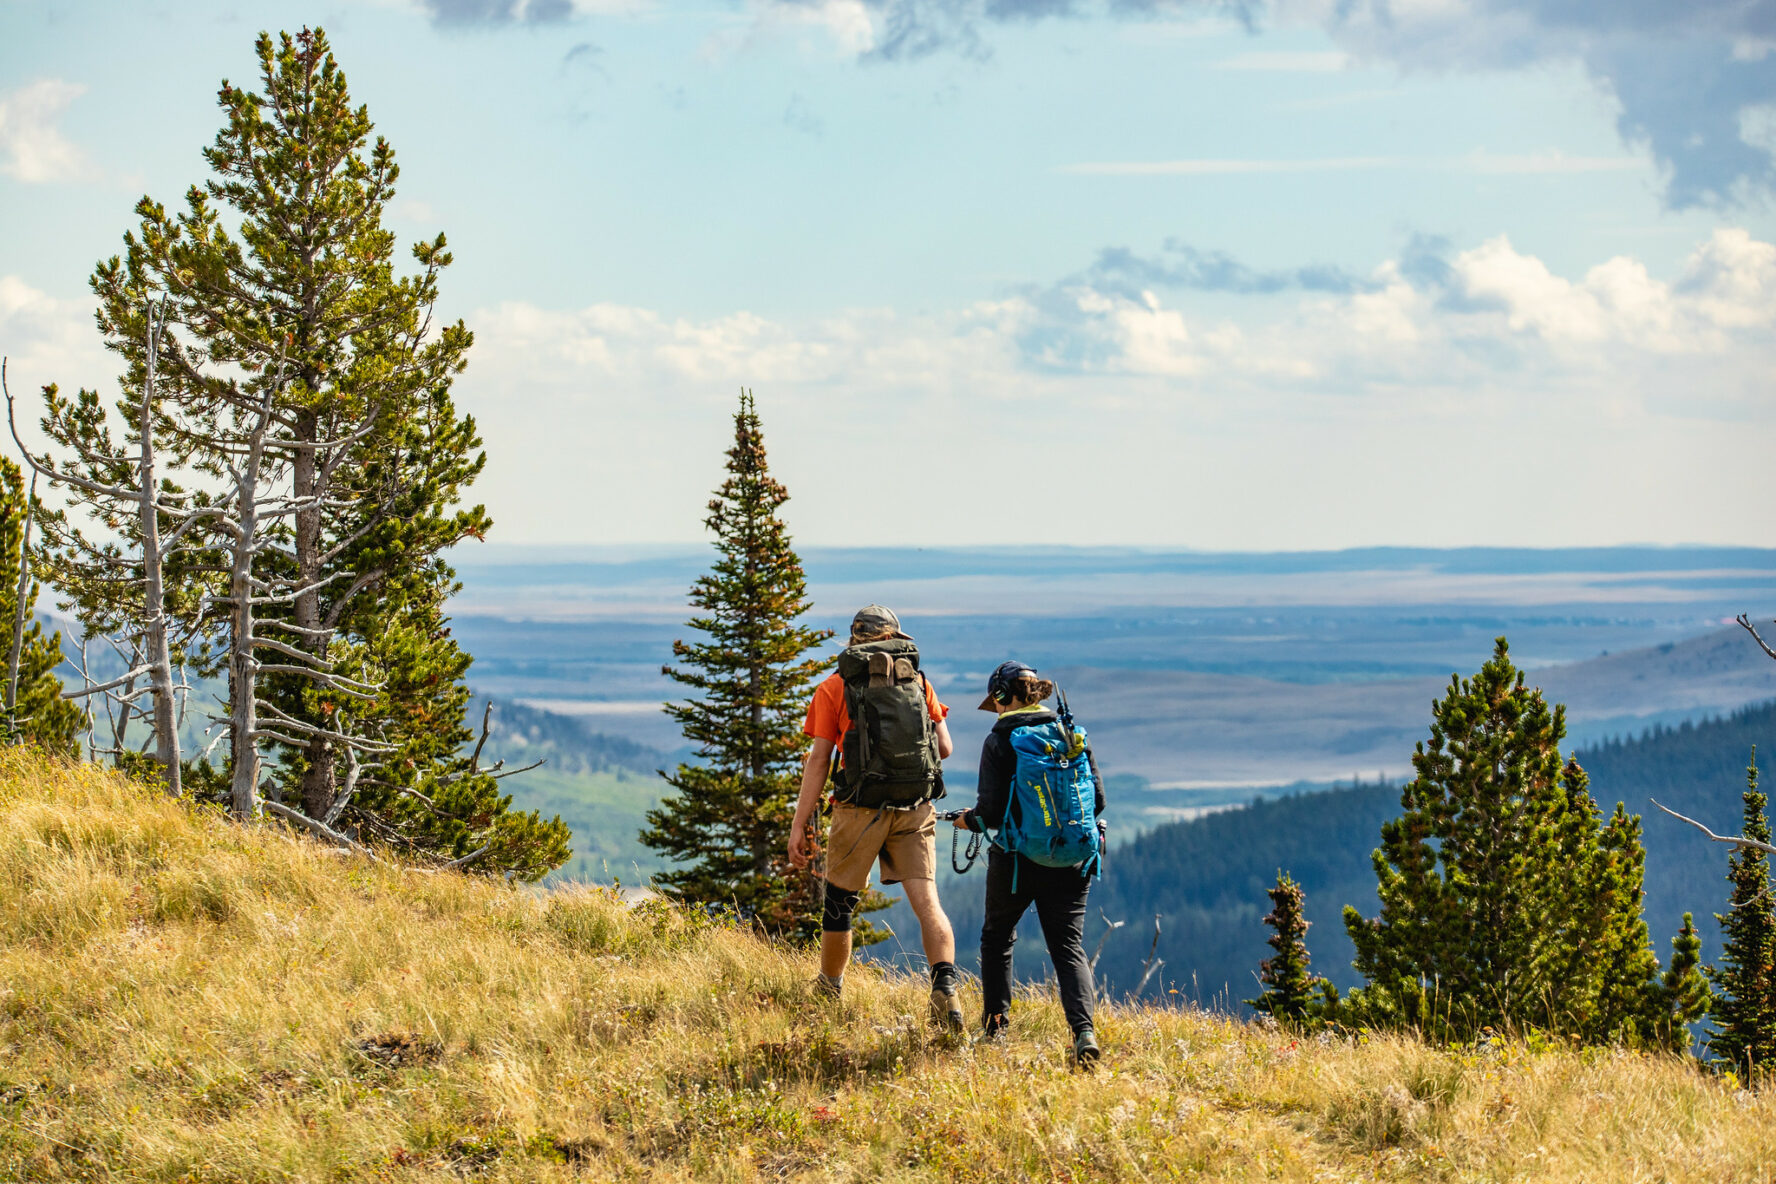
935	933
940	951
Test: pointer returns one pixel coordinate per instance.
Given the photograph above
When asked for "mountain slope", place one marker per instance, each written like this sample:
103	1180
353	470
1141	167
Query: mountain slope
1207	876
187	1000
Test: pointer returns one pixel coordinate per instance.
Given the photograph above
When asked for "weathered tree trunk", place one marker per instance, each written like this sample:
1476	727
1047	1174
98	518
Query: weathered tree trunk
160	668
319	786
242	675
243	667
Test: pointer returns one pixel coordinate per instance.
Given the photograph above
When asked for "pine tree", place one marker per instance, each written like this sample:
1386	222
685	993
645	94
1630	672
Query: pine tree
38	715
1292	992
280	263
1743	1011
1680	996
1505	900
727	827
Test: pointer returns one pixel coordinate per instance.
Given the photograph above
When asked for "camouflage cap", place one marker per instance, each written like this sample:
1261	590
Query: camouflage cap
873	621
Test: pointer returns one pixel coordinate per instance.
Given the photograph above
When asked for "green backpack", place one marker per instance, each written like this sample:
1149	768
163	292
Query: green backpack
890	749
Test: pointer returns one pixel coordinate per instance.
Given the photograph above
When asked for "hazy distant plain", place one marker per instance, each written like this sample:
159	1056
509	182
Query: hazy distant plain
1197	671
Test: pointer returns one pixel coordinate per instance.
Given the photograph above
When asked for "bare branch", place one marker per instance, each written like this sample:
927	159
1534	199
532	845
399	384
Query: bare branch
1153	963
471	857
284	720
266	643
320	828
322	633
521	769
486	719
1745	620
333	682
268	734
1735	840
138	672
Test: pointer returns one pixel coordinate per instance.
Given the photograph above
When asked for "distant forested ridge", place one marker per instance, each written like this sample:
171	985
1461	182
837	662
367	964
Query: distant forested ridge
519	735
1207	877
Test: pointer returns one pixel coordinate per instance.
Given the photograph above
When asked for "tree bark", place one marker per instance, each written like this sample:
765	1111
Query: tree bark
160	668
318	780
243	669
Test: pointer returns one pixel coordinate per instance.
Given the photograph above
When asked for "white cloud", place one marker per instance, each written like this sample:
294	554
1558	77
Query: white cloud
48	340
1723	303
35	150
1602	407
842	26
1731	280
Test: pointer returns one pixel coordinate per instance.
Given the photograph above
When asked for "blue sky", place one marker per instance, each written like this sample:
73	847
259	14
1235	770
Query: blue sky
1298	274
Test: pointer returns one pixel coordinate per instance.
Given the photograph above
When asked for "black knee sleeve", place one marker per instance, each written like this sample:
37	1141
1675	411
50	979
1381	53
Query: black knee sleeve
836	916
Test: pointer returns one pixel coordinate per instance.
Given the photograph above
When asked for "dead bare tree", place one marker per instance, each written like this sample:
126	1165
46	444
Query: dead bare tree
227	517
247	517
108	481
1152	965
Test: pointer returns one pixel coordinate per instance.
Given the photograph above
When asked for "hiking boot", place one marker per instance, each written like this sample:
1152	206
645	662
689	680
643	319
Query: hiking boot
828	988
994	1028
946	1009
1085	1049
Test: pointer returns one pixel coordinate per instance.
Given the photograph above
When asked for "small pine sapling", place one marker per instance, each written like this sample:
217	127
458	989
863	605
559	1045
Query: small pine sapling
1292	993
1743	1010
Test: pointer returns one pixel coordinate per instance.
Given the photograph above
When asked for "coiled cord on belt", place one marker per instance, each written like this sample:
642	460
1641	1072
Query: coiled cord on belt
974	843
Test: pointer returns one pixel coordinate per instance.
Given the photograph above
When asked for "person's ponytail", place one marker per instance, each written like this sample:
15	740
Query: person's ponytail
1030	691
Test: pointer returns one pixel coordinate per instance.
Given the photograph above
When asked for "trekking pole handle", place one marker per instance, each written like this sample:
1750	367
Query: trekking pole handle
950	815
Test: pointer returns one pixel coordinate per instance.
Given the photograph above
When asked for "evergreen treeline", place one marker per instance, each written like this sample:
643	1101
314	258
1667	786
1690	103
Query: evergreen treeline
1210	877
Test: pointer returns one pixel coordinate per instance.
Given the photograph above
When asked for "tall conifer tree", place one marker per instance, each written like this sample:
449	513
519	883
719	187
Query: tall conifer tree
1505	900
727	827
280	263
1744	1007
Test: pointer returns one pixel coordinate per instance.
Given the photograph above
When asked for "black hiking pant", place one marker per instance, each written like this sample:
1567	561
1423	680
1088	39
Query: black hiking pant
1059	896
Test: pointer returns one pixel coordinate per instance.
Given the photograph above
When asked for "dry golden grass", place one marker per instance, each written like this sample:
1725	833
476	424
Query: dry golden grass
182	999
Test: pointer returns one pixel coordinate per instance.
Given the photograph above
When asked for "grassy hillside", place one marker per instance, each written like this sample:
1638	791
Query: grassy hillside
183	999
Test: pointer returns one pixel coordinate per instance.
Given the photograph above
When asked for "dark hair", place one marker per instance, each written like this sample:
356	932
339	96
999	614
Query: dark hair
1030	689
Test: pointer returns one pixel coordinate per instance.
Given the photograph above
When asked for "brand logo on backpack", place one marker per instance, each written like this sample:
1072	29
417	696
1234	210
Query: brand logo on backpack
890	750
1052	816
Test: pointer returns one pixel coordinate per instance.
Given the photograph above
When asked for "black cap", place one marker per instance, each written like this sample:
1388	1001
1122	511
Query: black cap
999	683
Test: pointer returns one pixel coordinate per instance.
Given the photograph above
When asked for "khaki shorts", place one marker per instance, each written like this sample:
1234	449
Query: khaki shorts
906	840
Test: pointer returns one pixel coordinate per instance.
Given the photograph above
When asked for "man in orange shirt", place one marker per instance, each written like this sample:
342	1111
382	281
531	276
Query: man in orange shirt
882	807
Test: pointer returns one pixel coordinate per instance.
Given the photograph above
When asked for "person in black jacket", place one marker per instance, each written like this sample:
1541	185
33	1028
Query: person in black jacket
1015	693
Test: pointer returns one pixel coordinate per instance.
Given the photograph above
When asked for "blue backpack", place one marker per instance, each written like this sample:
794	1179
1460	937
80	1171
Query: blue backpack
1051	818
